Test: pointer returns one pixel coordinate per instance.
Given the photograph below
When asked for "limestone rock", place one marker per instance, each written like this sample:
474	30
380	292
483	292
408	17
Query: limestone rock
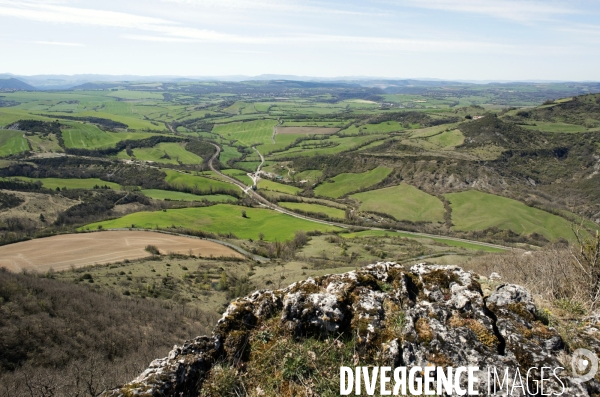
425	315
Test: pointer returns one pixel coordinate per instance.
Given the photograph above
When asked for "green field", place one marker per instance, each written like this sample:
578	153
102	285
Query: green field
248	133
315	209
87	183
346	183
86	136
441	240
181	180
447	139
332	145
166	153
181	196
265	184
130	120
310	176
474	210
403	202
12	142
228	153
240	175
555	127
385	127
10	115
220	218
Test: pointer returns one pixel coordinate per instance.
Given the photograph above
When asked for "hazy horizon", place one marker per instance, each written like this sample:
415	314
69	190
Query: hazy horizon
469	40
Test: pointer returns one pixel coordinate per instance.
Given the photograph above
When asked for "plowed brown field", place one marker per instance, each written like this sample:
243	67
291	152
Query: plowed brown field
77	250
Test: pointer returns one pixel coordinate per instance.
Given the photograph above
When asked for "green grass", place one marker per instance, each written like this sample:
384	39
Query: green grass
12	142
86	136
247	133
345	183
315	208
474	210
179	179
220	218
555	127
265	184
441	240
10	115
175	151
131	121
240	175
385	127
281	142
337	145
309	175
403	202
447	139
74	183
228	153
181	196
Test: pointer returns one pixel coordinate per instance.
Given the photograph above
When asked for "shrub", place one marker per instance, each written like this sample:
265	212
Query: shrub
152	249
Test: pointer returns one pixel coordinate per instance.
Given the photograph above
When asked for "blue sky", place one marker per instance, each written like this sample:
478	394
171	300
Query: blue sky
446	39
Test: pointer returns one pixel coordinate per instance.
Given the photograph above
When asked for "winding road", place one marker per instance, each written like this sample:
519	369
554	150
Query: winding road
266	203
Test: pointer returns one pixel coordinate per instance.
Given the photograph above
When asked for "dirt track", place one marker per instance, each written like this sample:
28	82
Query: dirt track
62	252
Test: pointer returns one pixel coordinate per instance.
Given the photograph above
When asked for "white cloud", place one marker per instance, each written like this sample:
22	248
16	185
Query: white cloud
583	29
290	6
80	16
159	39
250	52
59	43
163	30
516	10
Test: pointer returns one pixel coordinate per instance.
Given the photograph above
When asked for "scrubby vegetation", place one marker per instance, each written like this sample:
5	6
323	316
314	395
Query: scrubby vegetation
64	339
8	200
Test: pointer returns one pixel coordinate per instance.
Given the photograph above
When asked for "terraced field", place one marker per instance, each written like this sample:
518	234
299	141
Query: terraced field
403	202
345	183
220	218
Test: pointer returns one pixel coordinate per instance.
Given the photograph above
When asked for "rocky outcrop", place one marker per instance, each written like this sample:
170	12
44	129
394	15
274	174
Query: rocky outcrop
422	316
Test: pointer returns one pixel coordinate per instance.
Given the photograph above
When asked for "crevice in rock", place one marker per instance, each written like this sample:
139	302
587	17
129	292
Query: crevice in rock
494	318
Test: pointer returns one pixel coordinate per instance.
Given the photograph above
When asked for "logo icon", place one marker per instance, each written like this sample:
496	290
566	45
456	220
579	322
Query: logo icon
584	364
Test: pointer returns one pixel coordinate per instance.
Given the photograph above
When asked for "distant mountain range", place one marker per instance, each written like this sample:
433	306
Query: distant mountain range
12	84
10	81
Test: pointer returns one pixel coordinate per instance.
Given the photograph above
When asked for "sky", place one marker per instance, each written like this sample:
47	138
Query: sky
443	39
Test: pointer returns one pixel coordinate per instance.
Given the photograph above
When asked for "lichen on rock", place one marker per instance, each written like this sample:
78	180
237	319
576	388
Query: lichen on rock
382	314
